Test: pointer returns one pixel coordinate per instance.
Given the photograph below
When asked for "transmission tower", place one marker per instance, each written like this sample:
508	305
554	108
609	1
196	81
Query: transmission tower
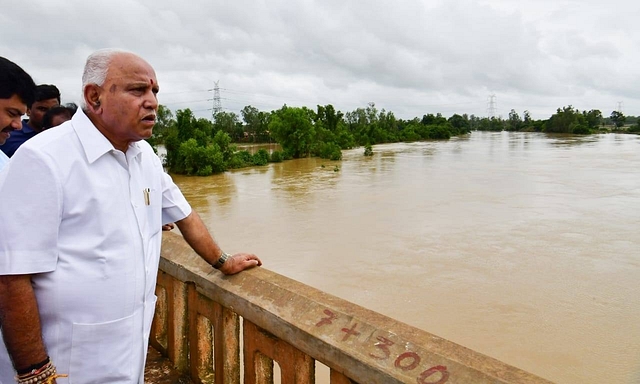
492	106
217	104
620	106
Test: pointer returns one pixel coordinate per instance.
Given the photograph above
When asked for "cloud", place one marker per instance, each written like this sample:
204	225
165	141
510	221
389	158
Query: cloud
409	56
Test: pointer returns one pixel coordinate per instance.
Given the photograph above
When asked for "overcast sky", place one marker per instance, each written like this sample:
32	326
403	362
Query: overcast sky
409	57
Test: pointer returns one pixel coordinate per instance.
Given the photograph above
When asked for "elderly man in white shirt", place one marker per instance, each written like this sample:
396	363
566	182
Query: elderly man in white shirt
17	90
78	286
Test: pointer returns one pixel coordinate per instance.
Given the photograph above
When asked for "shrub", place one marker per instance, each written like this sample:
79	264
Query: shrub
240	159
205	171
634	129
368	150
438	132
581	130
330	151
276	157
194	159
261	157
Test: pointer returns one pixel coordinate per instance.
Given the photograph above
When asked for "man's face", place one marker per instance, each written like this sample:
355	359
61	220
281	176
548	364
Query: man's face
128	101
11	110
37	111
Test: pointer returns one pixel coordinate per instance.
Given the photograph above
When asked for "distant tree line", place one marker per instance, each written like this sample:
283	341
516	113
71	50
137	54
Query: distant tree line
198	146
568	120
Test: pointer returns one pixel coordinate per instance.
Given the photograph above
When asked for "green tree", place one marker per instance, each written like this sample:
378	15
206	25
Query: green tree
193	149
618	119
194	159
410	130
593	118
223	141
388	127
180	132
228	122
185	124
493	124
329	118
358	126
515	122
329	150
261	157
567	120
460	124
164	120
164	123
527	121
331	127
276	157
256	124
292	127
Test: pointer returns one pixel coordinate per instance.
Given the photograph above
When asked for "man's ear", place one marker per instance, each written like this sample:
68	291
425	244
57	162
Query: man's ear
92	97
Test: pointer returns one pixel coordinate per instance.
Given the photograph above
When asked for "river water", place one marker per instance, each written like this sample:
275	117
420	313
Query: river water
522	246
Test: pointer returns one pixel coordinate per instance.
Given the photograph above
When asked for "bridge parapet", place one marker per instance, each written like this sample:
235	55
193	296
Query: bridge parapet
198	327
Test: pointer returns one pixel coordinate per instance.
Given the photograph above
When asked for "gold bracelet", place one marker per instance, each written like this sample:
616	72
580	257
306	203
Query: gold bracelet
52	378
45	375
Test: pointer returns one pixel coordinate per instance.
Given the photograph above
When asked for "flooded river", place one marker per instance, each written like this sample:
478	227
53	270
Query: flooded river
522	246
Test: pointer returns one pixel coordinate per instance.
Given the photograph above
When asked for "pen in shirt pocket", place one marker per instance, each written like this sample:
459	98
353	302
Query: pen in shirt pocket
147	193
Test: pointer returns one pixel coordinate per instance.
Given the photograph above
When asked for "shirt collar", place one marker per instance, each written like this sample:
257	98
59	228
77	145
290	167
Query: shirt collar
94	143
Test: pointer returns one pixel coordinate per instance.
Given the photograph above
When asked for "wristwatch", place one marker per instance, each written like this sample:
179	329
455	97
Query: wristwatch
221	260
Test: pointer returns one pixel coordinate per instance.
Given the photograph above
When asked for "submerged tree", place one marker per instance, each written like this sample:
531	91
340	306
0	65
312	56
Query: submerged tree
618	119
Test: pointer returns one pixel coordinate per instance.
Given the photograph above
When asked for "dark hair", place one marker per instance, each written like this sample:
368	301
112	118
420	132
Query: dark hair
47	119
15	81
46	92
73	107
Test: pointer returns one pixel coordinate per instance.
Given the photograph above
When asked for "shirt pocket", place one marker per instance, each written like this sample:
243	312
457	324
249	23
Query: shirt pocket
154	212
102	352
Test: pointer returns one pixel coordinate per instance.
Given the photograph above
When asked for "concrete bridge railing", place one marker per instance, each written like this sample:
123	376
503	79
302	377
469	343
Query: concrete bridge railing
198	327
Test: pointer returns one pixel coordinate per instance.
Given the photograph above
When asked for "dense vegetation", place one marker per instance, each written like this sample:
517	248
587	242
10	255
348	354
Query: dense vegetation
198	146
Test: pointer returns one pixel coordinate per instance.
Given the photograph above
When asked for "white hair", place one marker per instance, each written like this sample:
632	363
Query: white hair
96	68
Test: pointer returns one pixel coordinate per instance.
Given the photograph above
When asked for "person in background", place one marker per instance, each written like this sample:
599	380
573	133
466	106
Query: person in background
77	299
17	90
47	96
72	107
56	116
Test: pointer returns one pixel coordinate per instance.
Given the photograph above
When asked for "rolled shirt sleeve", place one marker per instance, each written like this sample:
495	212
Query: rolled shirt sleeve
30	214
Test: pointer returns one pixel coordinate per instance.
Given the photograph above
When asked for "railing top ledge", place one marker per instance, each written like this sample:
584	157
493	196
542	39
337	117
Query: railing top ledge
364	345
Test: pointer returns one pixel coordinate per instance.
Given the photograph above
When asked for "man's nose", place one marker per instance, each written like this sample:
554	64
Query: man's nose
151	101
16	123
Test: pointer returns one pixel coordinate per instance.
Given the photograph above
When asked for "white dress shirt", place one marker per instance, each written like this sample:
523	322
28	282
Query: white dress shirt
3	160
85	219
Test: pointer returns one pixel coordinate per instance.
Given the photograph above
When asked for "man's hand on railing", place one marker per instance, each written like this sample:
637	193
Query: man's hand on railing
239	262
198	237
